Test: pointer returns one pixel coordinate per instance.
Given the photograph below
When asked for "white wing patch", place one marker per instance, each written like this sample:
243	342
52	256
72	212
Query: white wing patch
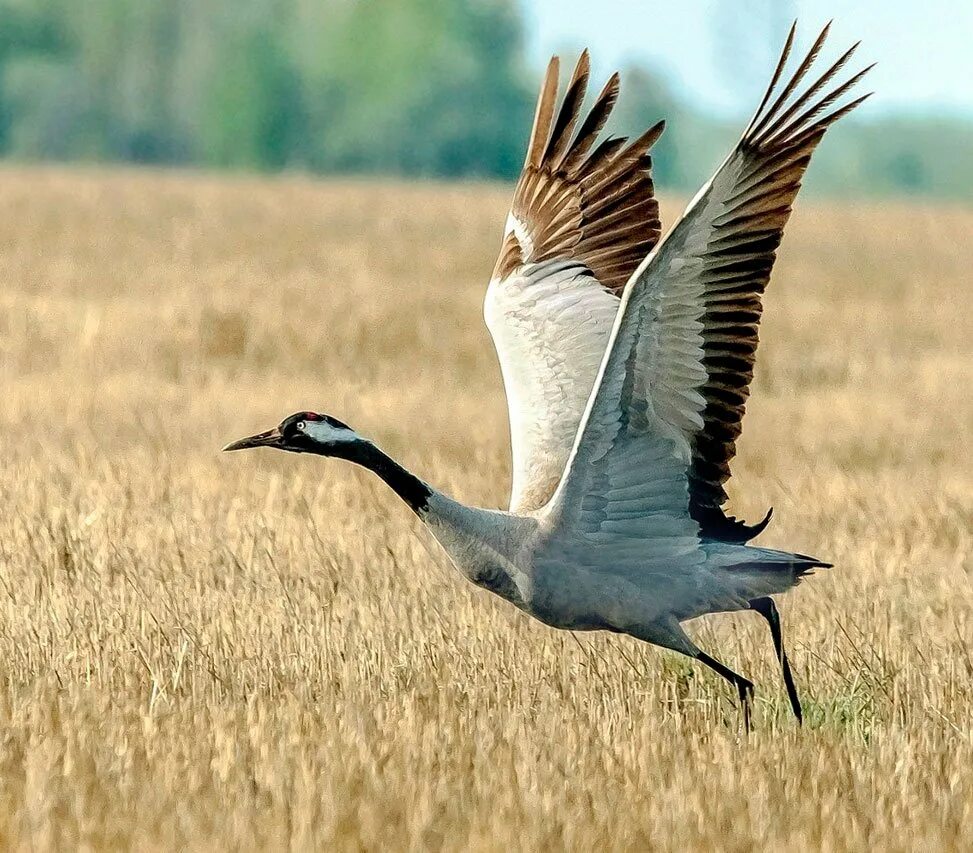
550	323
519	230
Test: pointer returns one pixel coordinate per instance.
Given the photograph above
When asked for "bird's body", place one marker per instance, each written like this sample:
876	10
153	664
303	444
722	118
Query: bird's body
627	361
585	581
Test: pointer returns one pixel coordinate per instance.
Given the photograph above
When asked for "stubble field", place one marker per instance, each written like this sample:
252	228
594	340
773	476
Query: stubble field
263	649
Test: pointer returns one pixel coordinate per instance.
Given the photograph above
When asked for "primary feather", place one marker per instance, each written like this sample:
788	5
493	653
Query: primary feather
580	223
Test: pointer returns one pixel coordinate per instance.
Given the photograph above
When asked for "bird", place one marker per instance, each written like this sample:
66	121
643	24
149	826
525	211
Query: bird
627	358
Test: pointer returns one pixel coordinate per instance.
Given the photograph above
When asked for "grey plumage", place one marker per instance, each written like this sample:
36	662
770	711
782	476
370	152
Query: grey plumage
625	402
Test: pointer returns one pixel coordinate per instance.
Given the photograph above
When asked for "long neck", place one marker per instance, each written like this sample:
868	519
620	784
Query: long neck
479	542
405	484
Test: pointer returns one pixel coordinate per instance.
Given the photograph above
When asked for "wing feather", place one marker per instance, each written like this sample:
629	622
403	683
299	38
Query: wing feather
719	257
543	115
565	194
675	381
583	217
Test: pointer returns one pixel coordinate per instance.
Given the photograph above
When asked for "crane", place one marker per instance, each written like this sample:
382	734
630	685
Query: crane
627	359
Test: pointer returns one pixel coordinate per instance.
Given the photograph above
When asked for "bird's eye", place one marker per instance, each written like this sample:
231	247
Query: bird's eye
301	425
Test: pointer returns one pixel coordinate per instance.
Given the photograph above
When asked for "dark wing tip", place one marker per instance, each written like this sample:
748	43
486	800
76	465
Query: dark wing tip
717	525
789	118
651	136
569	112
581	199
543	114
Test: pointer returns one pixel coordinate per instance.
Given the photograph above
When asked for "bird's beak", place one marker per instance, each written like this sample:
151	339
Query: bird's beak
271	438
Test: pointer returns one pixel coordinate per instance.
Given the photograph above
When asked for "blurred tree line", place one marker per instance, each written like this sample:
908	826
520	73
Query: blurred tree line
409	87
428	87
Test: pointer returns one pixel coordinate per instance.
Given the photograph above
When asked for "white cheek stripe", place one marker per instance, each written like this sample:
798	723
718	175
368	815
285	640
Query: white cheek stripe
324	432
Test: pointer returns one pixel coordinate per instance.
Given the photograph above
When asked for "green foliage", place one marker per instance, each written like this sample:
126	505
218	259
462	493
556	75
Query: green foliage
251	106
429	87
410	87
426	87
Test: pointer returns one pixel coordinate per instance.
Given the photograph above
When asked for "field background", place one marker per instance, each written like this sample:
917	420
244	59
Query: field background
259	650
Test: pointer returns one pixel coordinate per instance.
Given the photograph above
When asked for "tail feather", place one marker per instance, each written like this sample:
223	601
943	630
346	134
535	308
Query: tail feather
746	572
742	573
769	560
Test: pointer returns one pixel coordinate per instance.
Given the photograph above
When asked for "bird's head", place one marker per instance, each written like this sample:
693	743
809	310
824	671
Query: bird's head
304	432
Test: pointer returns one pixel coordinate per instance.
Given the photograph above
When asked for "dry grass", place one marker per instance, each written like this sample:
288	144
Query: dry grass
258	650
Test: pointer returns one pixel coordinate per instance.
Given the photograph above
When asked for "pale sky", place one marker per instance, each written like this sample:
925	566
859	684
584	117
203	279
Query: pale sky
719	54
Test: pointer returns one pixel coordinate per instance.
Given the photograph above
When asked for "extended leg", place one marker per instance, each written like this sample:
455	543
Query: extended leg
766	608
744	686
670	635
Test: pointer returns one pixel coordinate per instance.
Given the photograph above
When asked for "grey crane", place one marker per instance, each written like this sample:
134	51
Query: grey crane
627	359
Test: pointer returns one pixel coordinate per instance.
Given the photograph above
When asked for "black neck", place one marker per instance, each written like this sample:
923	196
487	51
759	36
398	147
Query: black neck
406	485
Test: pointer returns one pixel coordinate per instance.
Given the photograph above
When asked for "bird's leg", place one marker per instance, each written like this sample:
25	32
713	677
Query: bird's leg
766	608
670	635
744	686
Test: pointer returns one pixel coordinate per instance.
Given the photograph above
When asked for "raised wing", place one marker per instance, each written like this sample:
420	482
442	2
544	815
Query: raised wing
674	383
582	219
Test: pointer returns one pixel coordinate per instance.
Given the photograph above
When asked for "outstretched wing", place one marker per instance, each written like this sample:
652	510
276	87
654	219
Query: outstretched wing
660	431
582	219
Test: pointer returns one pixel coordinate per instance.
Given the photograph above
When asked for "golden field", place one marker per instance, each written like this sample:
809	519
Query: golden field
263	649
